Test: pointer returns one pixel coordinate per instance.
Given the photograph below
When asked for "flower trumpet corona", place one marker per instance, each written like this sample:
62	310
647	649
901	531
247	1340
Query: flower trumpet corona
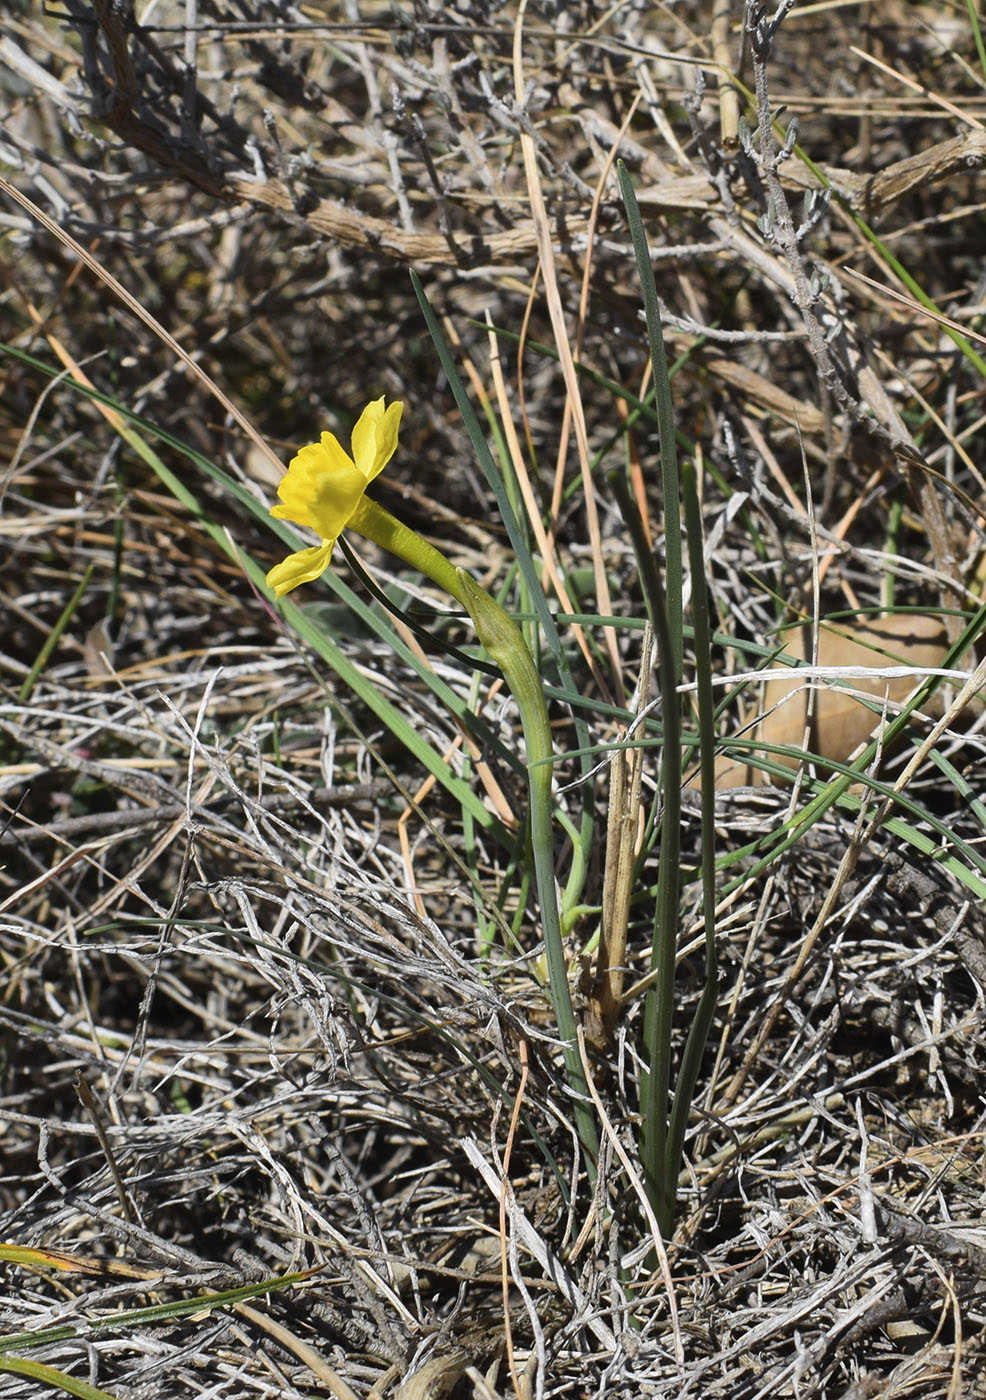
324	488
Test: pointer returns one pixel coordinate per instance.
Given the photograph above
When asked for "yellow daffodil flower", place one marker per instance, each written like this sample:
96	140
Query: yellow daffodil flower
323	489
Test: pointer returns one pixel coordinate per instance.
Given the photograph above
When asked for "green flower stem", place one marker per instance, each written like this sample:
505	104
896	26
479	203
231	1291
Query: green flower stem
384	529
505	645
504	642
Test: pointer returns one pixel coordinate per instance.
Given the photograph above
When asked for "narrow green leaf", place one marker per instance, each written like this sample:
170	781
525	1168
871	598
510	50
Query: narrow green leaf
54	636
55	1379
698	1033
159	1312
665	415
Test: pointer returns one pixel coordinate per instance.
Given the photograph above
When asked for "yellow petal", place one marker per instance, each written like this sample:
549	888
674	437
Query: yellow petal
375	437
299	568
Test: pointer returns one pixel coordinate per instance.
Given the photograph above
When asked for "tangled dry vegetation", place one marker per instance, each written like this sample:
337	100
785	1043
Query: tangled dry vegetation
250	1032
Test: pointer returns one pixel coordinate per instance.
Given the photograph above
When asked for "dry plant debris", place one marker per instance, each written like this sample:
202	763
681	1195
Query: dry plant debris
249	1029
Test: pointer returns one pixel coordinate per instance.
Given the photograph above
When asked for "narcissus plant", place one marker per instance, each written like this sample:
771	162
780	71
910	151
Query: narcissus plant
324	489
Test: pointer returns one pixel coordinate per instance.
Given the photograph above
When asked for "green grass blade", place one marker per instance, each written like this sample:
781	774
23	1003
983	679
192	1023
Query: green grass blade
518	539
665	415
698	1032
977	34
659	1006
53	637
158	1312
777	842
53	1378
